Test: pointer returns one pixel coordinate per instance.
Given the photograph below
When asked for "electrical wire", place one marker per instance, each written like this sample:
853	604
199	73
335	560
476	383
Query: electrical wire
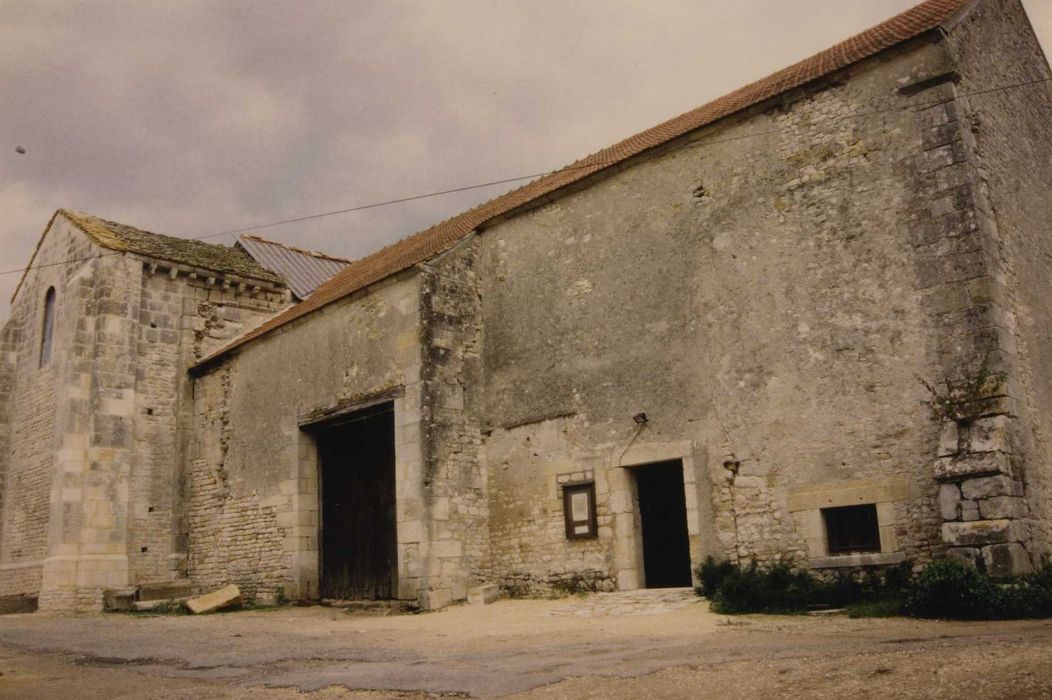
504	181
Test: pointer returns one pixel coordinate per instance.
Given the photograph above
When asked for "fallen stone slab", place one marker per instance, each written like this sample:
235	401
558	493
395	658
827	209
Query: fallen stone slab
166	591
484	594
149	605
225	597
118	600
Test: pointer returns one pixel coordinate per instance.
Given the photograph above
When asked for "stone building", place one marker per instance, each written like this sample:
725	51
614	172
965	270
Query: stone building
95	400
712	338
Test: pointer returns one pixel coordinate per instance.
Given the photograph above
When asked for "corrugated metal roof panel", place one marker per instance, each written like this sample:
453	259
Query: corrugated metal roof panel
304	270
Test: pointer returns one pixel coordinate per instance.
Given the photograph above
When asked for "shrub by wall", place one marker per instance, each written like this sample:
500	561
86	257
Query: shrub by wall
945	589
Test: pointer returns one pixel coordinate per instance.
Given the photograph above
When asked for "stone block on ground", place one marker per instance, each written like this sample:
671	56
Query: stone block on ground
435	599
147	605
216	600
484	594
166	591
118	600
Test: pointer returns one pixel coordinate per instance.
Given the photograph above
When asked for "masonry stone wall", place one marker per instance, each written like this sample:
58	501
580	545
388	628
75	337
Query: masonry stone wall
755	292
1004	99
769	302
451	345
254	504
39	409
181	318
90	442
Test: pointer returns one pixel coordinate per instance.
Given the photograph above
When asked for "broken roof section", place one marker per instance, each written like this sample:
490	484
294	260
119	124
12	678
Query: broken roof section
304	270
128	239
925	17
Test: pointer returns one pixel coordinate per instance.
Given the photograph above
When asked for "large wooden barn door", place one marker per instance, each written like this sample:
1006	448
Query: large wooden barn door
358	540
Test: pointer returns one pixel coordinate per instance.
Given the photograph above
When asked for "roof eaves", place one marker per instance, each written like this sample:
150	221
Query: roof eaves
914	22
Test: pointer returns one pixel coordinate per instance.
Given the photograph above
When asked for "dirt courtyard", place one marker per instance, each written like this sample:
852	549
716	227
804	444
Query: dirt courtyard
649	644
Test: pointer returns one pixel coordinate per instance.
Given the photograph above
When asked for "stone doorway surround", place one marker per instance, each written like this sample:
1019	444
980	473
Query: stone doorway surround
302	537
628	540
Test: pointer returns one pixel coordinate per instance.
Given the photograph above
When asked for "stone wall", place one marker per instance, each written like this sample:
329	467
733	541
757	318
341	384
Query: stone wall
754	290
1002	103
253	513
182	317
92	478
33	427
455	481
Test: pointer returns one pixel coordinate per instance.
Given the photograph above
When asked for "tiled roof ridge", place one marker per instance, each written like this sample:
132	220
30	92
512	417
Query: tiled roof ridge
304	251
425	244
108	234
113	235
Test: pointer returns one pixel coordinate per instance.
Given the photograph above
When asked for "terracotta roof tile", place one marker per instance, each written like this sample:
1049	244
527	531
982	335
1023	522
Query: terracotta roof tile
428	243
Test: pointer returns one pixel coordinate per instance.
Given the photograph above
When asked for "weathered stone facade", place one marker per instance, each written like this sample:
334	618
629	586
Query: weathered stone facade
768	291
91	441
759	302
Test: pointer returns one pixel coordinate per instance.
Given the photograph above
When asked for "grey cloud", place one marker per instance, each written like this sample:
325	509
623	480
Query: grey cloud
195	117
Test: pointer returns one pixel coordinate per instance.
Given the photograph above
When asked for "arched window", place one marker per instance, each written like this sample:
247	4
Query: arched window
49	326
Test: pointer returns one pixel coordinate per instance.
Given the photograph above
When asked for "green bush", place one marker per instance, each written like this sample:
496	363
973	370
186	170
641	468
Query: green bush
711	574
947	589
775	590
732	589
951	590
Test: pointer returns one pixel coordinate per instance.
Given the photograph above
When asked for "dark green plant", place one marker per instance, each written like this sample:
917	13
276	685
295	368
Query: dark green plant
947	589
951	590
1030	597
711	574
775	590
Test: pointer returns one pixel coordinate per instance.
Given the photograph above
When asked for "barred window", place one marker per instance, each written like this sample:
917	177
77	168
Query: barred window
852	529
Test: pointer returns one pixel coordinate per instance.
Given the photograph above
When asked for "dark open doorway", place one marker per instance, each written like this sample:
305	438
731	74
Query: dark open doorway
356	459
663	511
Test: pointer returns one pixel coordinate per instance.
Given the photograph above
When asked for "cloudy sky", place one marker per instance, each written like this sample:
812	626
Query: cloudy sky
191	118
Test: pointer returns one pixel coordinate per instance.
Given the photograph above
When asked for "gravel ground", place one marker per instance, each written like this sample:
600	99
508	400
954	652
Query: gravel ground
603	646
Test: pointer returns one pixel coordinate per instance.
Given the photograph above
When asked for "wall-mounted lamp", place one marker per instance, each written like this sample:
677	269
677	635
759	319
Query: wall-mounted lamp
640	418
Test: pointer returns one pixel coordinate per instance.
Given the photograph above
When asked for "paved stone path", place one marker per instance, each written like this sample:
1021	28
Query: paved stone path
647	601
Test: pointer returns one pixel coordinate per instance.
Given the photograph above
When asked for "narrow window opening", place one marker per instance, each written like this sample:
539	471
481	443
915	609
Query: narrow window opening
49	326
579	511
852	529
